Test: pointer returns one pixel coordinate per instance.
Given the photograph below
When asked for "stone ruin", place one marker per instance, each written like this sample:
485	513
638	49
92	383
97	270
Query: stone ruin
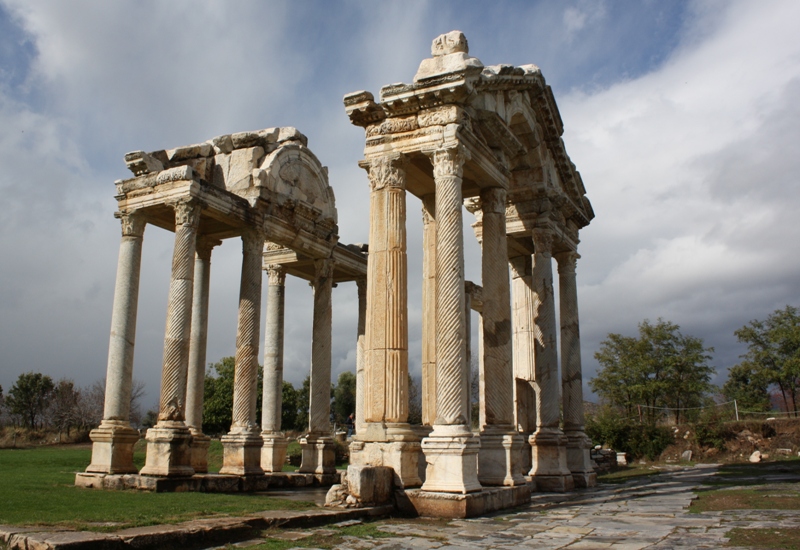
462	134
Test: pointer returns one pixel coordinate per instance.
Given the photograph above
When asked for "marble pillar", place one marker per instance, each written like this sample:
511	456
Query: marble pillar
500	442
273	451
197	354
242	444
428	309
548	443
168	442
451	449
387	438
361	354
523	353
318	446
579	460
113	440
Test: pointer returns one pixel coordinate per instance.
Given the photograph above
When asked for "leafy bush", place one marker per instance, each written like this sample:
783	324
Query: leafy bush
609	428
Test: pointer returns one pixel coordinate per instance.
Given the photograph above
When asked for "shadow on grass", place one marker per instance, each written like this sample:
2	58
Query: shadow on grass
38	489
621	474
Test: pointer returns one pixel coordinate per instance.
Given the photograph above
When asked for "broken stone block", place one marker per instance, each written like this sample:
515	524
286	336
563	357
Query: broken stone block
370	484
755	457
141	163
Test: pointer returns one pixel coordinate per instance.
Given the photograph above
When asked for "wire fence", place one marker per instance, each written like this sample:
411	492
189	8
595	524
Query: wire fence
727	411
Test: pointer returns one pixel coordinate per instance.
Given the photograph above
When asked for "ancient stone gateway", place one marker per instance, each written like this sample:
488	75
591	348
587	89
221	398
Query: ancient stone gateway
269	189
488	137
462	134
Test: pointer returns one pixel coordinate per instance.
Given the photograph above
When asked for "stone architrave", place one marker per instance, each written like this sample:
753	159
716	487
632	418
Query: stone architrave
387	437
524	340
451	449
428	309
579	460
317	446
113	440
168	442
500	442
361	354
548	443
197	354
242	444
273	451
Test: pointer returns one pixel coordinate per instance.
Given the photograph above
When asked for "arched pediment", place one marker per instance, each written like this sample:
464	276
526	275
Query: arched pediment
293	175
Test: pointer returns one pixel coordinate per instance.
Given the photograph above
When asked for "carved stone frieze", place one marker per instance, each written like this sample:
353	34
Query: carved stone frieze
393	126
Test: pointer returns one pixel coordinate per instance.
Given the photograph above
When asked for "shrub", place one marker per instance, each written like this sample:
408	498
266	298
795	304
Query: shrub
610	429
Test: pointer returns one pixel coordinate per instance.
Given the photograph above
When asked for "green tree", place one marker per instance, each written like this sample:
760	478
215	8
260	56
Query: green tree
303	396
748	385
28	397
662	368
218	396
289	407
344	397
773	351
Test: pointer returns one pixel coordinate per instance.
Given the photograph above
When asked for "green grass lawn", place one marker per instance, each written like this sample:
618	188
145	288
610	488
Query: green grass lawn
37	487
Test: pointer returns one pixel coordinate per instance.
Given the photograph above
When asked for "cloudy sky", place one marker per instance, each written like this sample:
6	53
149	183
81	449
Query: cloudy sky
682	118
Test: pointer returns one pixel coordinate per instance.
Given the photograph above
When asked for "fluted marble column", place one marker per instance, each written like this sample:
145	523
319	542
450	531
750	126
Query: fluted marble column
113	440
578	444
273	451
242	444
451	450
500	442
548	443
361	354
386	438
428	309
197	353
318	446
524	337
168	442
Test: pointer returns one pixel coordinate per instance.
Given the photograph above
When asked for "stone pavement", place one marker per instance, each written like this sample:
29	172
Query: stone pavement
641	513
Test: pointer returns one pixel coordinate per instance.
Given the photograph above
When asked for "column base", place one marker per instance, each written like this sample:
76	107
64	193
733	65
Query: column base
112	448
549	458
401	456
579	460
273	451
168	450
500	456
319	454
241	452
199	450
451	453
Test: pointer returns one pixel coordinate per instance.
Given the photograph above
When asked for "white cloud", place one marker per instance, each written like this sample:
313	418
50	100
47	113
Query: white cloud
690	170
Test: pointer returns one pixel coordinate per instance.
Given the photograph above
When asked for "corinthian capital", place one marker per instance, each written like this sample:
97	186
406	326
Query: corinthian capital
204	247
449	162
543	241
493	200
252	241
276	274
387	171
323	269
567	261
187	212
133	223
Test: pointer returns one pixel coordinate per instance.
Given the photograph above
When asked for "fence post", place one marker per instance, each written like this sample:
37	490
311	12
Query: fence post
736	408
